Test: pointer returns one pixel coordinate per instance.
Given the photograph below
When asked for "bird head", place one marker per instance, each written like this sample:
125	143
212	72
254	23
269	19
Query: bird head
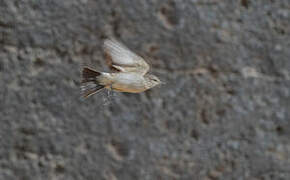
152	80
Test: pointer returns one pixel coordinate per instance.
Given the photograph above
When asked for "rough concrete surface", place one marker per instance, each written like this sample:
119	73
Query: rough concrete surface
223	114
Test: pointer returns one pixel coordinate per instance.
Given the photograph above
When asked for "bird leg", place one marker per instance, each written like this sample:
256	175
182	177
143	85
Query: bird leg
110	91
108	98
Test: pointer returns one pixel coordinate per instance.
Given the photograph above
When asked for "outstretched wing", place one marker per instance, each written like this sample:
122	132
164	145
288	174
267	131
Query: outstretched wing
123	59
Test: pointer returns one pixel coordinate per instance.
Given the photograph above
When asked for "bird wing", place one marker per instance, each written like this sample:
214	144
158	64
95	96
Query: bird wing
123	59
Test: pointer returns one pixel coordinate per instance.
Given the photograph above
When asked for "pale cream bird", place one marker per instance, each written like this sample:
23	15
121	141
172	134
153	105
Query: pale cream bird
130	76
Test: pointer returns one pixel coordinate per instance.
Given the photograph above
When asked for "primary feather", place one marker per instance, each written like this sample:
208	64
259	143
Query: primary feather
124	59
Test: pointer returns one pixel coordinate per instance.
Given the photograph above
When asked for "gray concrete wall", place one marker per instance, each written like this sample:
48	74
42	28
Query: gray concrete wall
223	114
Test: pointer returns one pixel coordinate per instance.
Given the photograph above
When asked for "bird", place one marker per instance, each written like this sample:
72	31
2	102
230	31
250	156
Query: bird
130	72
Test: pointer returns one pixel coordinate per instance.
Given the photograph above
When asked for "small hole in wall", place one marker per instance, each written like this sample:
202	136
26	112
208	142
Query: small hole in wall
245	3
279	130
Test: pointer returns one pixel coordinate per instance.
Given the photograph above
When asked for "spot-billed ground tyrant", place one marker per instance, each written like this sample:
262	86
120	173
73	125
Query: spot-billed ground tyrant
131	75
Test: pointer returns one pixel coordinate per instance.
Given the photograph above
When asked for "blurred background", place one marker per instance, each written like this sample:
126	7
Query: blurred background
223	114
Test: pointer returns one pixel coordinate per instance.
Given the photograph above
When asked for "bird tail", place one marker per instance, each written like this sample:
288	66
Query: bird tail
90	84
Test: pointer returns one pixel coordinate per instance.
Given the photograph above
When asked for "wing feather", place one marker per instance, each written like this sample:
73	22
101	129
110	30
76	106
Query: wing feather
123	59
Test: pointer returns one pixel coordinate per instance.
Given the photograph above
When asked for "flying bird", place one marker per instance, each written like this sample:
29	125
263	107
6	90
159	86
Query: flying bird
130	72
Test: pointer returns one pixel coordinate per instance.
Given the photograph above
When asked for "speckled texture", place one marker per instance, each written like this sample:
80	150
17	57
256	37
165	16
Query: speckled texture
223	114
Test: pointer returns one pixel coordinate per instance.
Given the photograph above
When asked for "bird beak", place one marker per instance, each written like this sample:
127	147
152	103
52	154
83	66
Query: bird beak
161	82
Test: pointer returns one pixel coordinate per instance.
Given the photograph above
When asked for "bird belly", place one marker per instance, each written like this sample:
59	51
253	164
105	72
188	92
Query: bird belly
128	89
128	82
125	87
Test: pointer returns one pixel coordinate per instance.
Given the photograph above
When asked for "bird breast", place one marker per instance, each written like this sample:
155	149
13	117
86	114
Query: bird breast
128	82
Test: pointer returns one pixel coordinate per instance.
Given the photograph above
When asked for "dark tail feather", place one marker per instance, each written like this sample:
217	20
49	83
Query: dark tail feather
89	75
90	84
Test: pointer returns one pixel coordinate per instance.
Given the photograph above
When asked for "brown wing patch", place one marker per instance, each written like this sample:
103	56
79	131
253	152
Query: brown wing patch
110	62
